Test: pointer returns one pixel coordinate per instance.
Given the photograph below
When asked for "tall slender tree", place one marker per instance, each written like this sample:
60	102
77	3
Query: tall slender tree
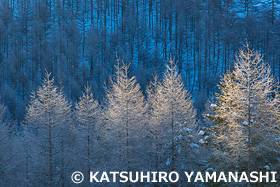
5	149
156	110
48	111
246	115
126	111
87	113
173	111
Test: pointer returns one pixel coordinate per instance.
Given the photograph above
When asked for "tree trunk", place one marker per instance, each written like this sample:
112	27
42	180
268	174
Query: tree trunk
157	148
172	136
62	164
249	129
127	143
88	152
50	152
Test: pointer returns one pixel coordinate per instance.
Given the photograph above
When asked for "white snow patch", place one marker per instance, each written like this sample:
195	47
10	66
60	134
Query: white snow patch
207	115
234	113
213	105
193	145
240	132
201	133
267	167
190	136
188	129
206	137
245	123
201	141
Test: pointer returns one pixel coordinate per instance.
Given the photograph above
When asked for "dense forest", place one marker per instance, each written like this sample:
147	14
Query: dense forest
127	85
78	42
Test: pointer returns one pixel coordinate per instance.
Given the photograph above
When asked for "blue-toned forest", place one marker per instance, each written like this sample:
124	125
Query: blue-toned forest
78	42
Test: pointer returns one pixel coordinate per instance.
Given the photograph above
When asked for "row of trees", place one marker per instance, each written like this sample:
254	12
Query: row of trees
78	40
127	133
154	133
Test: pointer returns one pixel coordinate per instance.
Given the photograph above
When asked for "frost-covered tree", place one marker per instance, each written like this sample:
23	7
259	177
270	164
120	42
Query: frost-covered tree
5	149
125	112
87	113
246	115
172	112
156	111
48	114
10	170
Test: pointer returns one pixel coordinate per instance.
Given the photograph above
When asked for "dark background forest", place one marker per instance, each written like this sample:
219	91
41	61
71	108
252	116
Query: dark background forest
78	41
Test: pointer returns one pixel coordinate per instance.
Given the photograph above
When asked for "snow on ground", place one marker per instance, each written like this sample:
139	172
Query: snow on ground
213	105
201	141
201	133
193	145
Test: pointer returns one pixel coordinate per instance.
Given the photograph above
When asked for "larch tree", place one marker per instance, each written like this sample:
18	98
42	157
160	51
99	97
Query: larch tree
5	150
174	112
246	115
10	163
87	114
64	136
156	111
125	112
49	112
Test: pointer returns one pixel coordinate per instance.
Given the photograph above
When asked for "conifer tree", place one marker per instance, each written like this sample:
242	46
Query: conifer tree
125	112
156	111
49	112
173	112
87	113
5	149
246	115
